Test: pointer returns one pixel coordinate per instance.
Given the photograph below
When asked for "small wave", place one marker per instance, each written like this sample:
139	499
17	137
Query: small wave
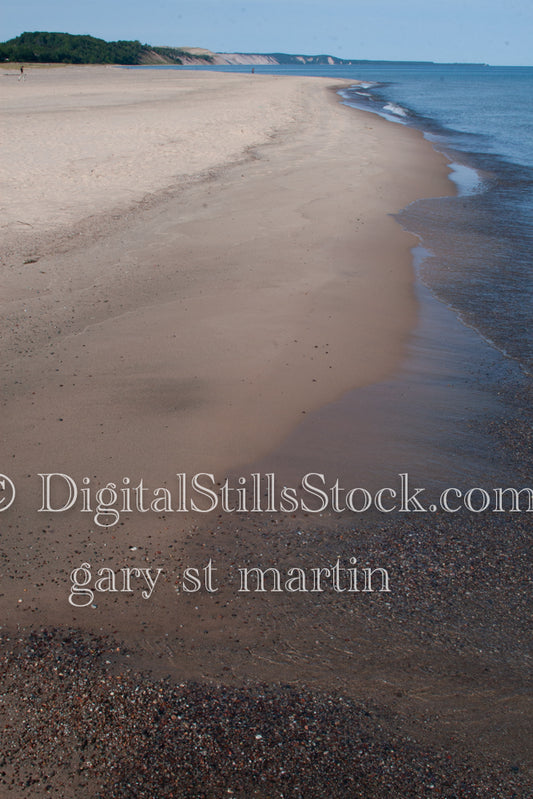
467	179
392	108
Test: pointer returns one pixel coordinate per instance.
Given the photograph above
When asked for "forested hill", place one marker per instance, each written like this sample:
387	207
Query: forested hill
67	48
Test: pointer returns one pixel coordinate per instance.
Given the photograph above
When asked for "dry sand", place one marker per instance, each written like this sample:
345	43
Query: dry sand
192	262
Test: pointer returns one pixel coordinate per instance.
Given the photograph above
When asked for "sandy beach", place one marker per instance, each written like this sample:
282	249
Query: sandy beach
193	264
245	334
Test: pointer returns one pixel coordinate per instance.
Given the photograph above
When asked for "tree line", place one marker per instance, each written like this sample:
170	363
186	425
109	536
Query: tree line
67	48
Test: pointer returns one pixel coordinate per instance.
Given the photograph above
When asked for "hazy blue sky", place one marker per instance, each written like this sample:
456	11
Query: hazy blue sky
489	31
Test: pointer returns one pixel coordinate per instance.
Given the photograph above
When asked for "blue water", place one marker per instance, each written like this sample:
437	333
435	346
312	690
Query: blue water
481	241
482	118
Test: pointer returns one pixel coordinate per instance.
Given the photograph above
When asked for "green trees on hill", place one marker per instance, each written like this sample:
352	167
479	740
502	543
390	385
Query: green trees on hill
69	49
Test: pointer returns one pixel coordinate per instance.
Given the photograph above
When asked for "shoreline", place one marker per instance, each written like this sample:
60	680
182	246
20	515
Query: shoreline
190	334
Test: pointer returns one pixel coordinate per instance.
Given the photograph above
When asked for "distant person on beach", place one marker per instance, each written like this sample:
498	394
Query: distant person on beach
22	76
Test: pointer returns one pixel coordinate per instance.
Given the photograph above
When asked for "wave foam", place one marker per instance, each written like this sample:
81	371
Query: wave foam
393	108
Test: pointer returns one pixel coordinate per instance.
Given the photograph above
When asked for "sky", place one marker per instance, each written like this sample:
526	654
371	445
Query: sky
487	31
